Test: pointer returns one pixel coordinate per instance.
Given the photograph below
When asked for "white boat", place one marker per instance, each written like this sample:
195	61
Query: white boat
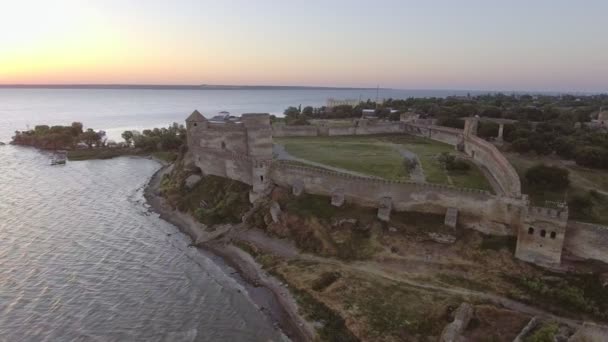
59	158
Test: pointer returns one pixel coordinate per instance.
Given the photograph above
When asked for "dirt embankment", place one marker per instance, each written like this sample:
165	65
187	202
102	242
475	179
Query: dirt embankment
267	292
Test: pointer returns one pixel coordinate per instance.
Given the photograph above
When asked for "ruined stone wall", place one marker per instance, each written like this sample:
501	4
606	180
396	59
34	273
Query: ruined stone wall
478	209
359	127
498	165
586	240
341	130
366	127
447	135
294	131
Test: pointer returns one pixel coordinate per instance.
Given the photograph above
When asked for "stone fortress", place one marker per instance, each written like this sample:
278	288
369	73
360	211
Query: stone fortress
242	150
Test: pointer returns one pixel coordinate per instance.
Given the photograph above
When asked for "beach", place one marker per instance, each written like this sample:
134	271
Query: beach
270	295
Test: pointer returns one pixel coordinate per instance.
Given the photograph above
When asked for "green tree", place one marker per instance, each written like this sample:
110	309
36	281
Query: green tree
291	112
90	137
128	136
548	177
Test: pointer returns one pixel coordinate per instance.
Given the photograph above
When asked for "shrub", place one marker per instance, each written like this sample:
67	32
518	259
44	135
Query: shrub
521	145
545	334
547	177
451	163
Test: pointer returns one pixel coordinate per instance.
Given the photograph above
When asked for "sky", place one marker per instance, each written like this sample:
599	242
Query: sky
539	45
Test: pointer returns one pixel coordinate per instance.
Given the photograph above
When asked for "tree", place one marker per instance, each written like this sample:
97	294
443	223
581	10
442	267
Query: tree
592	156
76	128
90	137
291	111
308	110
128	136
548	177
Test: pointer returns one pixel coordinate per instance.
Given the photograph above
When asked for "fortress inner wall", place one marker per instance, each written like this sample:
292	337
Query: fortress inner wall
499	167
478	209
586	240
447	135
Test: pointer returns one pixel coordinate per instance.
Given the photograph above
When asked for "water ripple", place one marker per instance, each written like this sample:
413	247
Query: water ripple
82	259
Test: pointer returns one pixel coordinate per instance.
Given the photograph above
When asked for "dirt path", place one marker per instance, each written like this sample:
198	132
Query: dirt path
417	174
396	274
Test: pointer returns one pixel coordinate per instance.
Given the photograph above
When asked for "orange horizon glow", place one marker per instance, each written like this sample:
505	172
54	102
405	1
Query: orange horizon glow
403	45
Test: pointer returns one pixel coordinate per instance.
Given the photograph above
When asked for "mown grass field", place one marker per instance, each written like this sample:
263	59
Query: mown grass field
378	155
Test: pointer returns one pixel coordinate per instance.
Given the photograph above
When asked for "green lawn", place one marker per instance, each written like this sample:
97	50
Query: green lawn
378	155
366	156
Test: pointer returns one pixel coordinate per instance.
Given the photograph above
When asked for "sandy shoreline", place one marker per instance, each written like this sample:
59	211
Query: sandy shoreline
273	298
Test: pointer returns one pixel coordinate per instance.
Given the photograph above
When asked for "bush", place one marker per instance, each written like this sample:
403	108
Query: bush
592	157
521	145
451	163
547	177
545	334
580	205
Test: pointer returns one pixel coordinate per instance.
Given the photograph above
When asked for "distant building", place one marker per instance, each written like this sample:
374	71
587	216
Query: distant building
602	117
331	102
368	113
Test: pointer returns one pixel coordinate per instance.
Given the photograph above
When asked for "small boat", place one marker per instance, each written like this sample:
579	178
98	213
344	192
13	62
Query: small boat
59	158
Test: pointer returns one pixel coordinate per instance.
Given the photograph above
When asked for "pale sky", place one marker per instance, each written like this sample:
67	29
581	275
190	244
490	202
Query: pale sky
467	44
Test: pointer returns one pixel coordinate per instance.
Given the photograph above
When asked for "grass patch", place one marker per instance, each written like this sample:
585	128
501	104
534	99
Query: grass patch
460	281
392	310
584	184
472	178
569	294
421	222
546	333
358	154
308	205
427	151
226	200
496	243
379	155
333	328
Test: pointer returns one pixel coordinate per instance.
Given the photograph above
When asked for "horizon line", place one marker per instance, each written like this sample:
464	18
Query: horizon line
155	86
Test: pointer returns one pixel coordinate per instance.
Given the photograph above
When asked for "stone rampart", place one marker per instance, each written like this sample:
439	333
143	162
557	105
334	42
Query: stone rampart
294	131
586	240
497	164
358	127
447	135
478	209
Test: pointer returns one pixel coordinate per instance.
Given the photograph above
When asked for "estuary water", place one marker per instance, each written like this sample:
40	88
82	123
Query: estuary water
116	110
81	256
83	259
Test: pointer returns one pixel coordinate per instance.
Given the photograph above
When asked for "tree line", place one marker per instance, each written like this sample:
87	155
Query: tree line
59	137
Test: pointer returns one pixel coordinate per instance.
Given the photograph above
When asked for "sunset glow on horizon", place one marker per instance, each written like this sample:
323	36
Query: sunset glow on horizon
473	44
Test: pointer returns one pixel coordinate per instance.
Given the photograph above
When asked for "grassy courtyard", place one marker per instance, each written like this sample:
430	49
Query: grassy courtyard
380	156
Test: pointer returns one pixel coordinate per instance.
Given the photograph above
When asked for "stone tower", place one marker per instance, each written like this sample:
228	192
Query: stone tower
194	124
259	149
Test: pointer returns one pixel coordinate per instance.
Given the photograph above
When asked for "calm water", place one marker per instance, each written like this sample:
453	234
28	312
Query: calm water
82	259
116	110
